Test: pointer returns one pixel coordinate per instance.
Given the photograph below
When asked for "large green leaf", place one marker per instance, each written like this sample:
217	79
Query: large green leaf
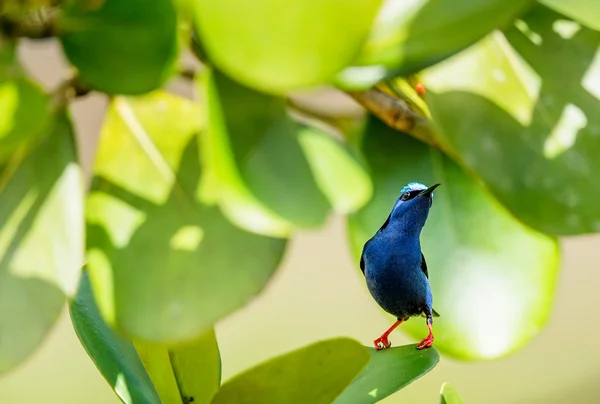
315	374
114	356
492	278
271	174
519	110
448	395
41	240
25	113
277	46
121	46
585	11
388	371
410	35
164	265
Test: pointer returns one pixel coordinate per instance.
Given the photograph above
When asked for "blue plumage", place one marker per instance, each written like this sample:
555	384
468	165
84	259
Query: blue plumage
394	266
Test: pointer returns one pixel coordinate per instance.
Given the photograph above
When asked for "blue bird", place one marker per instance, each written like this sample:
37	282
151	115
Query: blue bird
394	266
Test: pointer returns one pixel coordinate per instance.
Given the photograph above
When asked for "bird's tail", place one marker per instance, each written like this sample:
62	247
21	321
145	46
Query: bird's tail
433	313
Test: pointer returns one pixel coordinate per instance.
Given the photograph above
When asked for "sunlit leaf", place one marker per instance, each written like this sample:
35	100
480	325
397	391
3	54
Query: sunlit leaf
121	46
315	374
114	356
271	174
197	367
388	371
24	107
337	171
276	46
164	265
520	111
157	363
41	241
492	278
190	373
448	395
585	11
410	35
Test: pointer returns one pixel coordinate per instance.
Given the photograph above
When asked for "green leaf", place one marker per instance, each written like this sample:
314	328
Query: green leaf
410	35
197	368
270	174
121	46
388	371
586	12
25	114
448	395
146	223
277	46
493	278
528	97
339	174
41	241
188	373
315	374
158	365
114	356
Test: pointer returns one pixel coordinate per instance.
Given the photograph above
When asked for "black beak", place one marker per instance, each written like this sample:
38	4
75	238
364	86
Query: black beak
429	190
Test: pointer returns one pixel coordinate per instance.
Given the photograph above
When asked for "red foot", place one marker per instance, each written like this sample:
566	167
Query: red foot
382	342
426	343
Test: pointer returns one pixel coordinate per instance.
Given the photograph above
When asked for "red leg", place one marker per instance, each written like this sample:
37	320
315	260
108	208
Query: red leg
383	341
427	341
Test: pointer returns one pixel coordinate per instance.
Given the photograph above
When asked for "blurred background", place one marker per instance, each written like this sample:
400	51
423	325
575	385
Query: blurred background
558	366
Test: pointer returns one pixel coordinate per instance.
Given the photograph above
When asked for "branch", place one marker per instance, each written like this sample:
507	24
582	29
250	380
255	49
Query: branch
40	24
396	113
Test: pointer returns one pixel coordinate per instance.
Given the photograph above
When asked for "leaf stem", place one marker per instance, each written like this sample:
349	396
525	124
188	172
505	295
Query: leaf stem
69	89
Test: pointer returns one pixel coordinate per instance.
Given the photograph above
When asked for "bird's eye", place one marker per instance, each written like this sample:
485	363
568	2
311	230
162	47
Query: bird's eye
405	196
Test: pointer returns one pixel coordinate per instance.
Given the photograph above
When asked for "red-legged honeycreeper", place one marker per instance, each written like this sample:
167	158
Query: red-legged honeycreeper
394	265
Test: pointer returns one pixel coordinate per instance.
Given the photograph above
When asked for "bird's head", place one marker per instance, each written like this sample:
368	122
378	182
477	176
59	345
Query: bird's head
412	207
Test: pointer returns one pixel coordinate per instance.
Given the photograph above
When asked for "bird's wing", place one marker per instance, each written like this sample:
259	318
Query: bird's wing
362	263
424	266
424	269
387	221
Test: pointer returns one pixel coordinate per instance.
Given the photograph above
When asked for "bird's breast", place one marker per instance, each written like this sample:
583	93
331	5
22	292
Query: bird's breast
395	279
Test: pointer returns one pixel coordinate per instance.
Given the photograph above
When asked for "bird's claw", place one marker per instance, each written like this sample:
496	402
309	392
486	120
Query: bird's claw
426	343
381	343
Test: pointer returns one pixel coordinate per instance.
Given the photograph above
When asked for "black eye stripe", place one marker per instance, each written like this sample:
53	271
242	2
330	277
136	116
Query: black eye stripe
408	195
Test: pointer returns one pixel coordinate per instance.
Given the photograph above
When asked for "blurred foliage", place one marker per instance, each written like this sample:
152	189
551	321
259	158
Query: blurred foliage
196	266
408	36
192	201
25	115
120	47
41	240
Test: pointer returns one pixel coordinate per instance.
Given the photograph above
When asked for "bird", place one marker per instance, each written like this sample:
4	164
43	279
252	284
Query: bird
394	265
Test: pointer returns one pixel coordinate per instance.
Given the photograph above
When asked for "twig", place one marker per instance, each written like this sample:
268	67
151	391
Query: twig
396	113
